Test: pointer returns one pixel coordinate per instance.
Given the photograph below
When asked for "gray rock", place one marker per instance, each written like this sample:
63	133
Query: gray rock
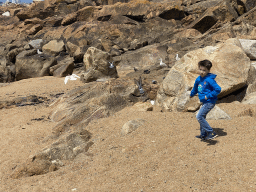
36	44
249	47
131	126
217	114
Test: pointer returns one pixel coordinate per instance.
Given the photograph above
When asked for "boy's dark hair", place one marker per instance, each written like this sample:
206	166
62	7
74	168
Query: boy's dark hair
205	63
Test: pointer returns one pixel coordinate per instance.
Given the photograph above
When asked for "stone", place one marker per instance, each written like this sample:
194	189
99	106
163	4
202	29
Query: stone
29	64
249	47
97	63
143	106
230	64
36	44
250	98
131	126
54	47
217	114
64	67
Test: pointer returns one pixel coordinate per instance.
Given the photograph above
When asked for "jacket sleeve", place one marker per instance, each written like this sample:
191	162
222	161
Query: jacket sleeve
195	89
216	90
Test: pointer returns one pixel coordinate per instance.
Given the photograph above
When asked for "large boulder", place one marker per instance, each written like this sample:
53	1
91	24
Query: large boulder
230	63
97	63
29	64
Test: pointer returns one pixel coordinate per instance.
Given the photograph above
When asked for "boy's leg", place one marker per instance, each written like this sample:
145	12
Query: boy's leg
201	116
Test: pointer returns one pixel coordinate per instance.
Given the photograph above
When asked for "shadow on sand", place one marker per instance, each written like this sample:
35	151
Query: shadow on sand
219	132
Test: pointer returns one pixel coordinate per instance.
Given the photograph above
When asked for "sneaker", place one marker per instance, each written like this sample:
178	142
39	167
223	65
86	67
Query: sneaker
211	135
201	137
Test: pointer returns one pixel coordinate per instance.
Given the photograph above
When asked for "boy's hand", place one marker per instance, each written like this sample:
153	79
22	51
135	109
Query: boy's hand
205	97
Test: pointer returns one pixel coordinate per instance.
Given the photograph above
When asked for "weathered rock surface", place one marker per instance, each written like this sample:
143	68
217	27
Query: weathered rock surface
249	47
65	148
64	67
97	63
54	47
230	63
29	64
93	101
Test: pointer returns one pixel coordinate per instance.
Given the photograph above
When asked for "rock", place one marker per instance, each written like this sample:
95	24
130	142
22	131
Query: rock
54	47
250	98
97	63
217	114
92	101
143	106
70	18
29	64
54	21
36	167
5	74
143	57
64	67
249	47
249	4
34	29
222	12
230	63
35	10
13	12
36	44
47	160
131	126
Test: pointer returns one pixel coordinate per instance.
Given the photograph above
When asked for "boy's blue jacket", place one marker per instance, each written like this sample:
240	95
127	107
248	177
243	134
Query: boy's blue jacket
206	86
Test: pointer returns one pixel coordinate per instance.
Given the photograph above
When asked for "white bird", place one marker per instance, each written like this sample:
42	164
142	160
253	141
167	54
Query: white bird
71	77
39	52
111	65
161	63
152	102
177	57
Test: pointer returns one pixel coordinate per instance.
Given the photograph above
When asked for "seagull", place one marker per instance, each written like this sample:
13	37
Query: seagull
39	52
71	77
161	63
139	84
177	57
111	65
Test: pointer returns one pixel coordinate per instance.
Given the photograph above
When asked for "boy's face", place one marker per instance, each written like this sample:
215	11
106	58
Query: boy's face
203	71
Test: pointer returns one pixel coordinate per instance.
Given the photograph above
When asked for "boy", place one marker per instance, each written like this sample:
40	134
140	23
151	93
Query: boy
207	90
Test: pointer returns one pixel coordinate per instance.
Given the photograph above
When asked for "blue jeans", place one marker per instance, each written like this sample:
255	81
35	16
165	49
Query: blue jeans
205	128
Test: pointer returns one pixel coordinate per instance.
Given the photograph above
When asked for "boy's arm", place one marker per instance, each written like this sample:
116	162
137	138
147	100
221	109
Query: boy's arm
195	89
216	90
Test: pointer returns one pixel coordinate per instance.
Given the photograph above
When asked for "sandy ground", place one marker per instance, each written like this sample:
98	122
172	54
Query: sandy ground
161	155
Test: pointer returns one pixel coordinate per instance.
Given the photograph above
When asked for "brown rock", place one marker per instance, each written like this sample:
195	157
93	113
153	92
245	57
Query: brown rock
54	47
29	64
